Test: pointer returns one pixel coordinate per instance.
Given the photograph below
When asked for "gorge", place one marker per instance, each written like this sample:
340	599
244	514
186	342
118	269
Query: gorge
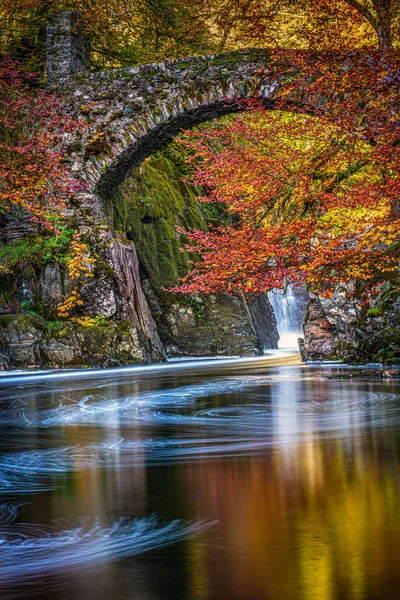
199	300
133	199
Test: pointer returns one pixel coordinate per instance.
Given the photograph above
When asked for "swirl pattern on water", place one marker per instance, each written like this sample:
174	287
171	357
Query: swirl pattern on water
94	408
97	409
88	430
204	431
43	550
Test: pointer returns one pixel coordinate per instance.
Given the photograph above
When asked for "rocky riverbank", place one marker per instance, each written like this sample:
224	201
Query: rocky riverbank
343	329
125	315
366	373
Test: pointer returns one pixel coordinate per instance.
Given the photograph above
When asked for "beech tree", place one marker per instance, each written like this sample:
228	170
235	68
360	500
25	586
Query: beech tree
310	200
35	182
380	14
128	32
331	23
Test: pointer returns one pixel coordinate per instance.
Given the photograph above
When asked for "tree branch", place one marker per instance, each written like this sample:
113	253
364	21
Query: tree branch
364	12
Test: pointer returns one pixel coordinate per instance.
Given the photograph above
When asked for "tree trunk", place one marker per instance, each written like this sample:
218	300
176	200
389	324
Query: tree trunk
380	18
383	21
384	37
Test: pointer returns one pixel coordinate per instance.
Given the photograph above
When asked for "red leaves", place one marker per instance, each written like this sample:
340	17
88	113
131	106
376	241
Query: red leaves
312	199
32	164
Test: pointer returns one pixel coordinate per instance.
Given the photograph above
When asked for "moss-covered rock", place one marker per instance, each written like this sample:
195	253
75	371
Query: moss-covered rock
148	208
28	341
146	211
338	328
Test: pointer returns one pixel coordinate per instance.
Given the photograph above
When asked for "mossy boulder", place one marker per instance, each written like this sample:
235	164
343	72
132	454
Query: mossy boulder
28	341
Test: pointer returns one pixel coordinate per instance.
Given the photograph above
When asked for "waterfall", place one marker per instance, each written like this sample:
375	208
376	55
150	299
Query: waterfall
289	308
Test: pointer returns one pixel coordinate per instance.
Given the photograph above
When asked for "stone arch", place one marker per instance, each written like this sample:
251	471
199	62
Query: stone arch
134	112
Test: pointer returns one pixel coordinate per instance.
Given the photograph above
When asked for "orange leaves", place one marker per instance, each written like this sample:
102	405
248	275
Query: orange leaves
81	267
70	303
34	175
79	262
310	200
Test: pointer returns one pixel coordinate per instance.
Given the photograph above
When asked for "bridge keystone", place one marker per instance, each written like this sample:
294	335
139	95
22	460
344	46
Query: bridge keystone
67	48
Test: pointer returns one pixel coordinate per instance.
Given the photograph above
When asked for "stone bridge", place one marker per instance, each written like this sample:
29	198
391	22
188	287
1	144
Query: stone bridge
133	112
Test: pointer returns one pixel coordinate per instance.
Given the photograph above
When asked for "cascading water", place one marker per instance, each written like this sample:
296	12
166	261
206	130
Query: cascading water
289	308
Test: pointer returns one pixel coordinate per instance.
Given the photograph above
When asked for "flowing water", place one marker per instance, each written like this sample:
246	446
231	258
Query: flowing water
289	308
210	480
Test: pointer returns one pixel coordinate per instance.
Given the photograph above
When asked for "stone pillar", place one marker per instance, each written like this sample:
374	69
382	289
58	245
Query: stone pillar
67	48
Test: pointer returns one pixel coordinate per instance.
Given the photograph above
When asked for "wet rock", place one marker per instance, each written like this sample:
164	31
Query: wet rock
99	297
368	374
133	304
17	224
4	364
51	284
151	296
7	309
342	328
302	349
221	327
264	321
61	353
26	342
20	337
319	336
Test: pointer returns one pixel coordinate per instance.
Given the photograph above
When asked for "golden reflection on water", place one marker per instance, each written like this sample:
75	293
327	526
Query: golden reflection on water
317	523
311	517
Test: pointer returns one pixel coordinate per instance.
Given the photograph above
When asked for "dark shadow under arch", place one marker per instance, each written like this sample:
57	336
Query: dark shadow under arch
159	137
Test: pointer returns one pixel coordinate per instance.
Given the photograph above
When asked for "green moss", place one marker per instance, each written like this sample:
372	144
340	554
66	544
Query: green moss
7	288
35	250
149	207
22	322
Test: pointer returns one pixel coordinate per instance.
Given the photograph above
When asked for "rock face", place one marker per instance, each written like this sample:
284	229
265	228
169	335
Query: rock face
129	219
319	335
27	342
264	321
338	328
219	325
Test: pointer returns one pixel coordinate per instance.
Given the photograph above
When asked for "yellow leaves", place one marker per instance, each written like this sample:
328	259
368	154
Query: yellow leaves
86	108
84	321
358	220
81	267
69	303
79	262
98	135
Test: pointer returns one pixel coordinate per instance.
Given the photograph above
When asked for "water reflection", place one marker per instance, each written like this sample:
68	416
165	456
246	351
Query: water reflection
263	486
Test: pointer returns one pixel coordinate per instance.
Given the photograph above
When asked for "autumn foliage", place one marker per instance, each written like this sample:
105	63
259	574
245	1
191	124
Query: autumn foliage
33	172
36	183
307	192
128	32
311	199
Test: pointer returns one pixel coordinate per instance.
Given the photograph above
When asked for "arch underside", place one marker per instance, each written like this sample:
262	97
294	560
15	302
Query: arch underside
159	137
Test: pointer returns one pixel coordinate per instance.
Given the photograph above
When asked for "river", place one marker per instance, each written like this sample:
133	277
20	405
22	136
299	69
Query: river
247	479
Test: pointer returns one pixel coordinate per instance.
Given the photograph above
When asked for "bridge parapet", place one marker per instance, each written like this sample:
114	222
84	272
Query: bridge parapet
136	111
